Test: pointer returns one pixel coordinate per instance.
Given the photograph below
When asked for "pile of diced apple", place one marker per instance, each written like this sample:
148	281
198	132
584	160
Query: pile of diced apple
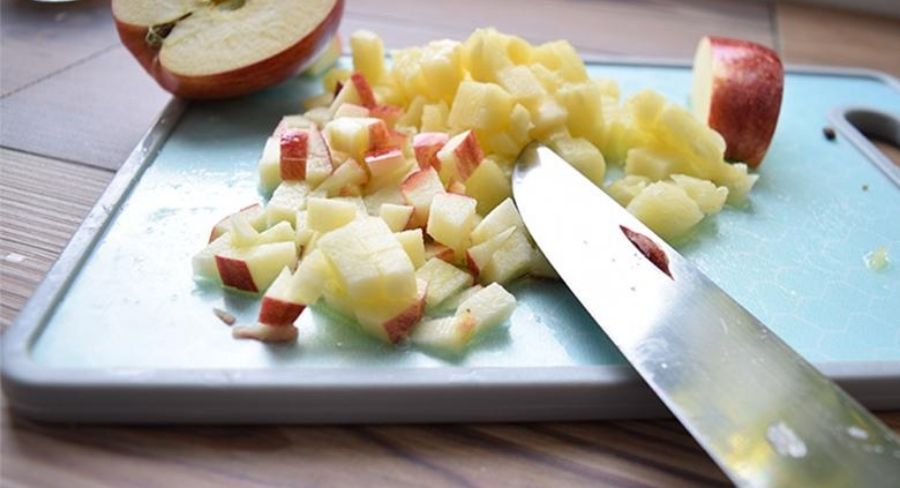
390	196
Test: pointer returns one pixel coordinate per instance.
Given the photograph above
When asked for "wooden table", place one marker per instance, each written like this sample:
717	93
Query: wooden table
73	106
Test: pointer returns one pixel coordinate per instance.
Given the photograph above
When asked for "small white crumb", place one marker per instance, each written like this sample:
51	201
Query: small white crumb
14	258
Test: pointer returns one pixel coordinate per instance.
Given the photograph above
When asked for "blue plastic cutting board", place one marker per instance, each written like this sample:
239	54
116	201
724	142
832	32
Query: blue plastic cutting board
794	257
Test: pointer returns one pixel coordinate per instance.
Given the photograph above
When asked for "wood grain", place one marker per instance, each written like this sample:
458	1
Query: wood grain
823	35
42	202
101	103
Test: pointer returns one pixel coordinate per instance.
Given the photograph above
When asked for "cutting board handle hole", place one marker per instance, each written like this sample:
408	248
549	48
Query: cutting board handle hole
875	133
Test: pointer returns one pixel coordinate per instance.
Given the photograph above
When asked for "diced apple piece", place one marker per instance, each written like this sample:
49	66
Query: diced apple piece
625	189
584	104
583	156
547	117
413	115
347	174
451	218
280	232
647	162
204	264
309	280
288	198
434	117
321	101
453	302
503	217
449	335
440	251
426	146
303	232
512	260
368	55
709	197
242	233
254	268
645	107
459	157
327	214
356	91
270	165
413	242
370	263
386	167
478	256
294	146
279	307
485	55
393	324
667	209
319	115
419	189
397	217
489	185
319	163
480	106
390	114
484	310
356	136
444	280
562	58
374	201
333	78
522	84
351	110
265	333
441	66
490	307
292	122
255	214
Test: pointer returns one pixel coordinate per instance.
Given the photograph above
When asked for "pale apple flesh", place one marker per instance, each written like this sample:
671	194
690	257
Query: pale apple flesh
224	49
737	91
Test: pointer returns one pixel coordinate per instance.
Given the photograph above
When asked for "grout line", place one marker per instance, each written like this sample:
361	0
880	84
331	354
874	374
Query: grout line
59	159
61	70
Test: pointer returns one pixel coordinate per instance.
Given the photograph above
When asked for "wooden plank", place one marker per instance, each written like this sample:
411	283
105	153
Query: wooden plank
93	113
658	28
42	202
39	39
823	35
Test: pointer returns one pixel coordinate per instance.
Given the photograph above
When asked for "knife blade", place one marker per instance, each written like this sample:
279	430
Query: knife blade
764	414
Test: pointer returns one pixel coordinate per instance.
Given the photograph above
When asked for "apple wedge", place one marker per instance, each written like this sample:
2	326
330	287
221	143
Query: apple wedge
221	48
737	91
279	308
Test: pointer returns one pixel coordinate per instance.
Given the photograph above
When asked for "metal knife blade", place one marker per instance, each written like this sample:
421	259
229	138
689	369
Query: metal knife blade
763	413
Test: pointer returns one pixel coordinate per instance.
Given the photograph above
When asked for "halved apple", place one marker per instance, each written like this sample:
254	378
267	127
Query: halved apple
737	90
224	48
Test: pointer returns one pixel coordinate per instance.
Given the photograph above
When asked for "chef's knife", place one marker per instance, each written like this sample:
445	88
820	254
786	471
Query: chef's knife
764	414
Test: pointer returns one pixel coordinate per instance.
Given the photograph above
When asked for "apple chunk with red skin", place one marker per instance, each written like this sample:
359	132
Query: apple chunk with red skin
737	91
459	157
426	146
222	49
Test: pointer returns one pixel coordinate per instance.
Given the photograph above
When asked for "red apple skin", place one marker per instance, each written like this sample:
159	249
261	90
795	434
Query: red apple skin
223	225
239	81
364	90
294	151
276	312
235	273
398	327
426	146
469	155
748	83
